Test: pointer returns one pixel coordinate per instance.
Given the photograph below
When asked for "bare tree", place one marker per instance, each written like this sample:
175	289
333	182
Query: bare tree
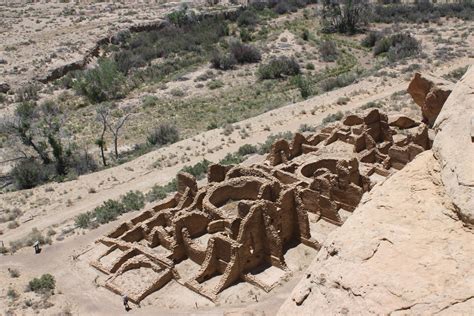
102	117
115	129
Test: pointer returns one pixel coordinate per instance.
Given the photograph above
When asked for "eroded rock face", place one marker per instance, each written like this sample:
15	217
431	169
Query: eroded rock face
402	251
429	93
246	218
454	146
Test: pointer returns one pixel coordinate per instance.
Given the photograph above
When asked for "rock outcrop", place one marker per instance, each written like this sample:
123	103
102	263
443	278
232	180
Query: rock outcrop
429	93
403	251
454	146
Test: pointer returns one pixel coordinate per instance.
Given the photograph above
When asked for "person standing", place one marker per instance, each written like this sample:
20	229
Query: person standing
125	302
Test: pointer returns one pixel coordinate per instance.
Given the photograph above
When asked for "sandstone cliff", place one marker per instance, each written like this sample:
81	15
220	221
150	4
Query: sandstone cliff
403	251
454	146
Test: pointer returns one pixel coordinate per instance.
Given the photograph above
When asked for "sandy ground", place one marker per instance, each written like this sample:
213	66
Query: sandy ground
56	204
35	37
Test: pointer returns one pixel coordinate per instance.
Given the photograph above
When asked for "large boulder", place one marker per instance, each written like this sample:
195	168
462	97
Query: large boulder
403	251
429	93
454	147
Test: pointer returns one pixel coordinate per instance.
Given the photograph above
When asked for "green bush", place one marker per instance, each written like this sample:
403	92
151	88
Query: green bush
215	84
108	211
102	83
149	101
164	134
244	53
223	61
83	220
371	38
45	283
199	170
304	85
133	200
247	149
328	51
247	18
231	159
29	173
333	117
397	46
159	192
339	81
306	128
278	68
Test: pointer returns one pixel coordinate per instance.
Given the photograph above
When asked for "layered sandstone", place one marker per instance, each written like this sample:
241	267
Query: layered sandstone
403	251
454	146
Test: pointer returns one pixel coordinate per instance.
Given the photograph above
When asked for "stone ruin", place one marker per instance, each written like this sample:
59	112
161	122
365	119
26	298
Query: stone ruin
245	218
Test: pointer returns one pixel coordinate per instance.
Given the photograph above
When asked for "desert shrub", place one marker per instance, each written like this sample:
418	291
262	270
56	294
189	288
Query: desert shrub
28	92
133	200
29	173
371	105
306	128
397	46
108	211
164	134
381	46
310	66
223	61
83	220
159	192
349	16
199	170
231	159
215	84
14	273
328	51
456	74
102	83
339	81
81	162
245	35
177	92
282	7
3	250
244	53
371	38
305	35
278	68
12	294
304	86
247	18
42	284
10	215
149	101
333	117
247	149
